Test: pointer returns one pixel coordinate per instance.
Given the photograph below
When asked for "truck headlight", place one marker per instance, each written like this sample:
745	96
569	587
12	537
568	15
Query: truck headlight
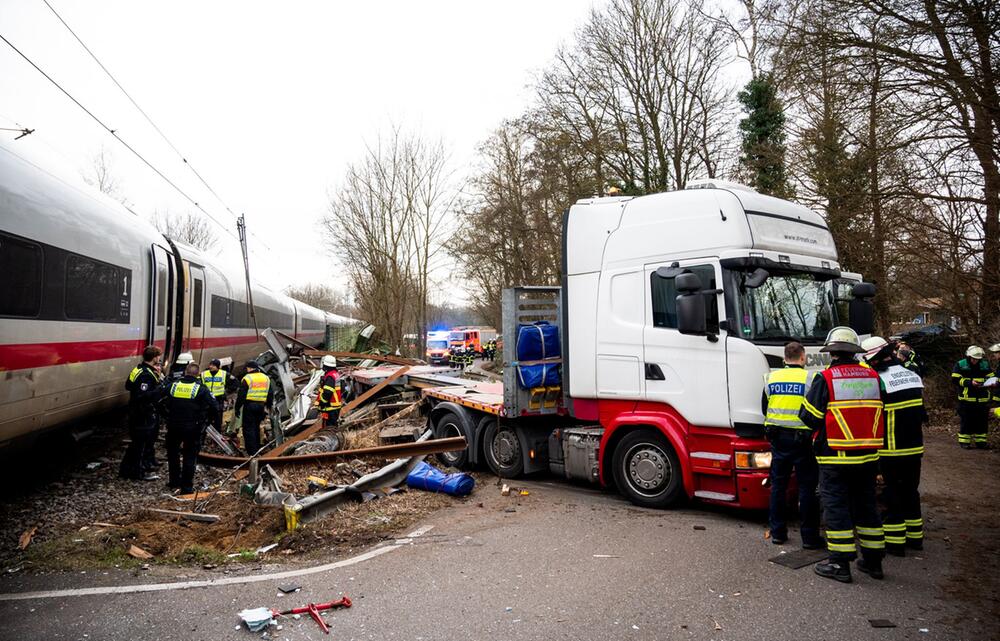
753	460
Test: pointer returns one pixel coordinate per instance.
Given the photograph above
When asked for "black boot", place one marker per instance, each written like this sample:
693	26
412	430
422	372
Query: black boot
871	567
915	544
817	544
836	570
895	550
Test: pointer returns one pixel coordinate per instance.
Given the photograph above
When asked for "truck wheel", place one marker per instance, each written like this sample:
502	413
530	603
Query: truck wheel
447	426
503	452
647	470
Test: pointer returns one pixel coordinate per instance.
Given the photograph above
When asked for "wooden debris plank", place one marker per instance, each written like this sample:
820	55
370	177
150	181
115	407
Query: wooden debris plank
400	450
374	390
191	516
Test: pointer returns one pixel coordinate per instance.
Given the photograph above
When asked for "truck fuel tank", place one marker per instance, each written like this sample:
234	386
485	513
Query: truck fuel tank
578	449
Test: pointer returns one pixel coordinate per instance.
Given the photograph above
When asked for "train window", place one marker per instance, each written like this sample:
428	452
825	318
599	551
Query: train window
196	304
97	291
21	285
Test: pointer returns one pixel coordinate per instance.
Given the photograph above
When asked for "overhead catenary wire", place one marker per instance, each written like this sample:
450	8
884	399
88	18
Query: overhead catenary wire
117	137
148	118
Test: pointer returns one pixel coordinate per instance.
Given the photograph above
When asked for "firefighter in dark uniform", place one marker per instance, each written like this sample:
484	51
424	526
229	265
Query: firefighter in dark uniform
330	398
791	448
970	375
145	392
190	406
253	397
844	409
216	380
901	454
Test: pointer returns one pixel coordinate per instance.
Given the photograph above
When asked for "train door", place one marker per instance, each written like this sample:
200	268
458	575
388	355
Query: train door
161	305
196	303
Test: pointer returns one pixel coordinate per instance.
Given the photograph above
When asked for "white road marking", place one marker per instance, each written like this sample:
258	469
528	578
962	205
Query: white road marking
231	580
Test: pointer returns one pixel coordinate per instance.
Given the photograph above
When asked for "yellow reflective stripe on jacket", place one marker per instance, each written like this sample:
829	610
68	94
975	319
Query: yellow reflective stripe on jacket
258	384
910	451
184	390
216	383
902	405
786	391
134	374
843	459
334	402
812	410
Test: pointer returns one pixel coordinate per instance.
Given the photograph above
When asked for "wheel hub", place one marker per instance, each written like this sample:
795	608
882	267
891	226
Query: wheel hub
648	469
505	448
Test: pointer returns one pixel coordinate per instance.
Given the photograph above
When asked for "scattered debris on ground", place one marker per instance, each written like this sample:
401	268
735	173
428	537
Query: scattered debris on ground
316	491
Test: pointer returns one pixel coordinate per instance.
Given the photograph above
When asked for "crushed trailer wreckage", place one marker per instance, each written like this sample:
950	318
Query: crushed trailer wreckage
299	437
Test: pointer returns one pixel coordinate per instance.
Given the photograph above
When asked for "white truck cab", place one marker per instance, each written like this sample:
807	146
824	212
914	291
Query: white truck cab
767	273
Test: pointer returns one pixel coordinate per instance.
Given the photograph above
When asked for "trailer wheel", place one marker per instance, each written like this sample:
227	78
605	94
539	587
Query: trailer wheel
502	449
449	425
647	470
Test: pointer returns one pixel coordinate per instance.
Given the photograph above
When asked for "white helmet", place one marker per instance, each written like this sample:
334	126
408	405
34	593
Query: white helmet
842	339
329	361
185	358
995	347
873	345
975	351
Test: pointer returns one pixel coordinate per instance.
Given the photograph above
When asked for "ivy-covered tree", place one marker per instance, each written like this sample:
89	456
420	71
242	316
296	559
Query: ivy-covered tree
763	137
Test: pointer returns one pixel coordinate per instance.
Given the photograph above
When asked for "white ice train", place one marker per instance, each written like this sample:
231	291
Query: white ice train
85	285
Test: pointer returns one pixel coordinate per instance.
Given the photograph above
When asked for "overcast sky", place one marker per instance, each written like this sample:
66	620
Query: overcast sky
269	101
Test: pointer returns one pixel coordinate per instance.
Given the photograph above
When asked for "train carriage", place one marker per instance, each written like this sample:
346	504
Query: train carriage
85	284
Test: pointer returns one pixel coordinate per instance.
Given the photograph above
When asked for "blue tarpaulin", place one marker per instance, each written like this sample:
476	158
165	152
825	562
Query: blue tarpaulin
427	477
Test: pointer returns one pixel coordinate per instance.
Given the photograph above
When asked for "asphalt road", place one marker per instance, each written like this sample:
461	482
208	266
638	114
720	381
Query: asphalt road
566	563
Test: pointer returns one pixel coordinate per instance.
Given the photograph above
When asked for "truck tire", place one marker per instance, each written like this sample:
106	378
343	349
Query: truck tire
502	450
647	470
449	425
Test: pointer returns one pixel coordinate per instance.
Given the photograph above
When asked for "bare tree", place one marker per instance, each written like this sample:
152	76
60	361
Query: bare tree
942	57
640	92
322	297
187	228
386	223
100	174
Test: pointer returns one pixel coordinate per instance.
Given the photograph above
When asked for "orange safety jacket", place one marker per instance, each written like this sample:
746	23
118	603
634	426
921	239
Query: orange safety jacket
854	413
329	393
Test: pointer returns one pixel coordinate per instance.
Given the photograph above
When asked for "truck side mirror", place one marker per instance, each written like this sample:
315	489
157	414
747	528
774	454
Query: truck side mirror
861	310
691	312
756	278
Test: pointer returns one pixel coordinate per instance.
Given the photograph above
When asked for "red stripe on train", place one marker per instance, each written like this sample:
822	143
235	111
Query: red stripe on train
32	355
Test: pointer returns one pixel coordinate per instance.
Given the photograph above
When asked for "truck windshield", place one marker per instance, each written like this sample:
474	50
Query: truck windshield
787	307
437	344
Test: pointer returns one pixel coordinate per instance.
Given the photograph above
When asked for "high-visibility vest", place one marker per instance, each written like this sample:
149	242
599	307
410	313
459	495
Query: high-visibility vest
216	383
184	390
854	412
138	369
904	413
786	389
258	384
